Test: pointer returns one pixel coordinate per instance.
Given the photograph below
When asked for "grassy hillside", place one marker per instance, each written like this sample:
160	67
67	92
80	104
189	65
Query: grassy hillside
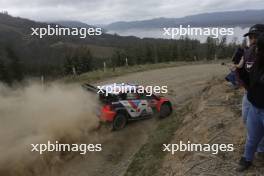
57	56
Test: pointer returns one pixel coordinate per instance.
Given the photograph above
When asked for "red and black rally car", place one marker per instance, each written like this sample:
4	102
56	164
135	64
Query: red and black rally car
119	108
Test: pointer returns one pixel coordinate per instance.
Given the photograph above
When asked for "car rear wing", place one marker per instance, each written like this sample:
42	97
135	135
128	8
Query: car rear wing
90	88
102	95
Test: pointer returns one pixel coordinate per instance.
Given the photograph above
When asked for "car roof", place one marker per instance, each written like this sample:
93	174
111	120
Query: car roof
122	86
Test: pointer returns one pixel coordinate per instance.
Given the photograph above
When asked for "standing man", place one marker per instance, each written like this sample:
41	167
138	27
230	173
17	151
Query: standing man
232	76
255	119
244	69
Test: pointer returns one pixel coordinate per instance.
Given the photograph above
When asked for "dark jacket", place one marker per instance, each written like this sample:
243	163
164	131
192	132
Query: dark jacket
256	87
249	60
238	55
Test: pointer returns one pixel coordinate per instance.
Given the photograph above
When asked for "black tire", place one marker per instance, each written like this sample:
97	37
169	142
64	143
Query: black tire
120	121
165	110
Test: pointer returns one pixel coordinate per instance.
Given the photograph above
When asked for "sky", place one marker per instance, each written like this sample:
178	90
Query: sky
108	11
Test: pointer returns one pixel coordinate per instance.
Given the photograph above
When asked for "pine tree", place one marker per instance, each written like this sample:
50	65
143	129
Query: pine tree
222	52
86	61
68	64
175	51
80	59
4	73
211	48
15	67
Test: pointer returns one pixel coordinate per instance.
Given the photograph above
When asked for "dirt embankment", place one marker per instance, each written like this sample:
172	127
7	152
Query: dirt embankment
215	118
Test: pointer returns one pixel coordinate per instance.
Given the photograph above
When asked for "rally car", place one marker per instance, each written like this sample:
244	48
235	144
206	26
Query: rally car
122	107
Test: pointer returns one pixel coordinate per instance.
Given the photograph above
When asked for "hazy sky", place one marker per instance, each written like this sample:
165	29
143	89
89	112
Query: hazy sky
107	11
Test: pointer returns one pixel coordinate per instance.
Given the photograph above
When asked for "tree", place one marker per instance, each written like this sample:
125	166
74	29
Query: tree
210	48
175	53
15	67
4	77
222	52
118	59
68	65
149	55
80	59
86	60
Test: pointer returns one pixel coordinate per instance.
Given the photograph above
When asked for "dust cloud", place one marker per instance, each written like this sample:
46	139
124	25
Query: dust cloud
35	114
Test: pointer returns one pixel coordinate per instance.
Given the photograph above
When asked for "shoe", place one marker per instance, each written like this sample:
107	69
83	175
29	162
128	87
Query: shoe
243	165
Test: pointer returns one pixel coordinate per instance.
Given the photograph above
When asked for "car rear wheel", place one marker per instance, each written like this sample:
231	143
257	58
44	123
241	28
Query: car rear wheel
119	122
165	110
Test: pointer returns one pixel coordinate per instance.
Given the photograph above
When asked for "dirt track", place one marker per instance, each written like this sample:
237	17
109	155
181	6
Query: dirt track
119	147
184	83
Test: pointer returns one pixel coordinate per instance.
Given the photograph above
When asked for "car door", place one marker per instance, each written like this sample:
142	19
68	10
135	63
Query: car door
146	102
136	106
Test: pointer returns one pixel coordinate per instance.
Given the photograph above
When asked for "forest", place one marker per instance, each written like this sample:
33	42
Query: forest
23	56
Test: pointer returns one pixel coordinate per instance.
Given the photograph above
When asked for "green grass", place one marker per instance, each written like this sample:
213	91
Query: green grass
149	158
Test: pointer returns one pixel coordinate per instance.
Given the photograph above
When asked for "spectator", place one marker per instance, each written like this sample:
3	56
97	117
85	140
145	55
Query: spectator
255	114
232	77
